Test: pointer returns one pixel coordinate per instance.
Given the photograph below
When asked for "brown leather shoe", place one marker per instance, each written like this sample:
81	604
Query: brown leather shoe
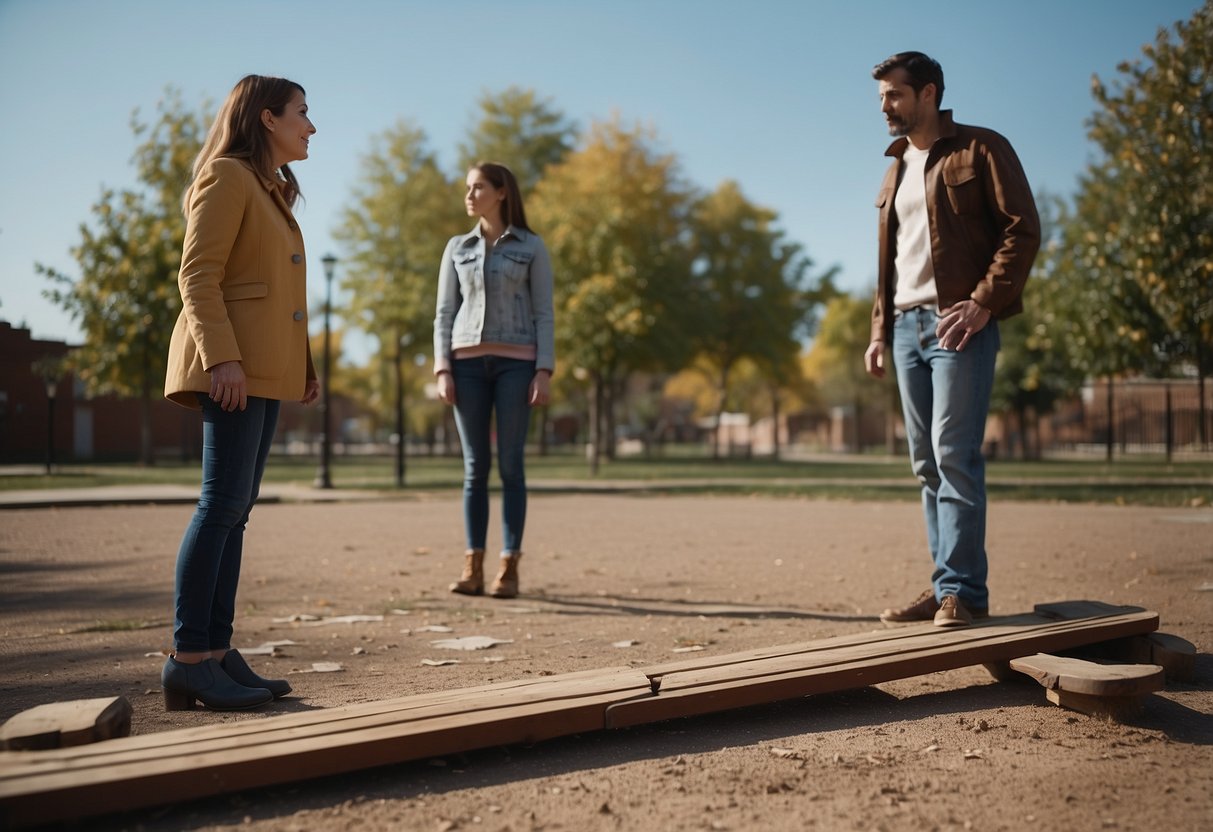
954	613
923	608
505	585
471	582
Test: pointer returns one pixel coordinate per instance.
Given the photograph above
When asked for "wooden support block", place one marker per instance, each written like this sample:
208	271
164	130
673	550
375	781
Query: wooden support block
1111	707
64	724
1176	656
1097	688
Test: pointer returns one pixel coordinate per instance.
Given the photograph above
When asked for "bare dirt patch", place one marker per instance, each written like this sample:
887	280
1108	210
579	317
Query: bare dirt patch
86	593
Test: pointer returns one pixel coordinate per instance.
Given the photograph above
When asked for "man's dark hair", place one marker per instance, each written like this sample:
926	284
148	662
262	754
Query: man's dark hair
921	69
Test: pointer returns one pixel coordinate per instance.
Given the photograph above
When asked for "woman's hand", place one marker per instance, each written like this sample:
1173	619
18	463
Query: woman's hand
311	391
228	388
446	388
540	390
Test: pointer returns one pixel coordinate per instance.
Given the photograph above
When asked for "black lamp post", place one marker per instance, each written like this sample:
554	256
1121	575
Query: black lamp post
52	387
324	478
49	368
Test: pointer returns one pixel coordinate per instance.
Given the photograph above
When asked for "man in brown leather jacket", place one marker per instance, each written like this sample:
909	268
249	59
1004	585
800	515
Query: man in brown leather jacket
958	234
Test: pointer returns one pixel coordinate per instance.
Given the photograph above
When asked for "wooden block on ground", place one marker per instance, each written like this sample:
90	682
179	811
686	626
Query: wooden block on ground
64	724
1176	656
1097	688
1112	707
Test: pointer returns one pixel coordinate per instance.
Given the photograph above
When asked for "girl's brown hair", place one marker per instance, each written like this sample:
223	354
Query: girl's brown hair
239	133
501	177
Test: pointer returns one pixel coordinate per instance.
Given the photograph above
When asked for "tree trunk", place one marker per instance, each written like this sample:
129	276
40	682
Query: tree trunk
610	395
722	399
400	437
1111	421
1169	431
775	420
1201	409
146	456
595	425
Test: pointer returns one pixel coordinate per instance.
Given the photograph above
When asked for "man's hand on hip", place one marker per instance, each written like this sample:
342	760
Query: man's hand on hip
960	322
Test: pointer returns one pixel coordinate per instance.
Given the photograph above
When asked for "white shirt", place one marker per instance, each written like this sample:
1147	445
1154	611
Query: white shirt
914	271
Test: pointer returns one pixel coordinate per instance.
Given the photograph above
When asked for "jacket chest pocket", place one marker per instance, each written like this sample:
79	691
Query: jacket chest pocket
964	189
467	266
516	266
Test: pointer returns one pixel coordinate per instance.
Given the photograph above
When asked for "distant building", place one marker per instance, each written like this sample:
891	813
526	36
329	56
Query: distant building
101	428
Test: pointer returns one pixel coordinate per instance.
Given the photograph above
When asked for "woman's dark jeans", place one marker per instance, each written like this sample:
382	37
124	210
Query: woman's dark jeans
482	385
235	446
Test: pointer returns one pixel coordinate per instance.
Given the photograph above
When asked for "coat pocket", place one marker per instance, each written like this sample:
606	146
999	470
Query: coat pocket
517	264
964	189
245	291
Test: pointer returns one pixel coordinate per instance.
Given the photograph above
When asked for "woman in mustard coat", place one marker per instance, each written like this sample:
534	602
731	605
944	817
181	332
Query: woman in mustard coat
240	347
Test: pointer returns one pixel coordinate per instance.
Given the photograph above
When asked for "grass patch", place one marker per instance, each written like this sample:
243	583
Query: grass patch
1136	481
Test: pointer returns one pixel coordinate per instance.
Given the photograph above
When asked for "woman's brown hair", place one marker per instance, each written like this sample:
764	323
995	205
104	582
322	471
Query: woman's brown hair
239	133
501	177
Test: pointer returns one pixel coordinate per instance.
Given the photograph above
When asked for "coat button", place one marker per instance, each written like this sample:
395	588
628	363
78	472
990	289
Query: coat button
296	258
298	316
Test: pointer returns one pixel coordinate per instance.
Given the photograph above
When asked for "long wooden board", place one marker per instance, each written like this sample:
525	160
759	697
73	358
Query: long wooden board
830	665
171	766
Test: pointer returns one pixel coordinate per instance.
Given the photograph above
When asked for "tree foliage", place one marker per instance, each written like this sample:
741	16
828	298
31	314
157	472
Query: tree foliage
1153	191
518	129
613	215
402	212
753	297
125	298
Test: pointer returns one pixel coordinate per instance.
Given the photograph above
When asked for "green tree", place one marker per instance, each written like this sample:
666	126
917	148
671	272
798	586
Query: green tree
1155	130
126	298
754	296
521	131
1034	368
400	216
834	364
613	215
1097	310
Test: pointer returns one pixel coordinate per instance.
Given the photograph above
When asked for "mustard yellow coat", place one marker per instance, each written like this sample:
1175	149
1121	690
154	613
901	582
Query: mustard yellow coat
243	284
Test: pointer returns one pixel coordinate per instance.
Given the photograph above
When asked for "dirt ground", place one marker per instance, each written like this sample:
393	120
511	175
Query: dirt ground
85	602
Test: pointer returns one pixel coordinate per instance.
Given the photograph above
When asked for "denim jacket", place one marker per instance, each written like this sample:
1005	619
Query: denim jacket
507	300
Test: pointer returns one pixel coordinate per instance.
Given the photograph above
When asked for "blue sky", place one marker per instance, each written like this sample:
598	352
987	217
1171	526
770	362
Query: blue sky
775	94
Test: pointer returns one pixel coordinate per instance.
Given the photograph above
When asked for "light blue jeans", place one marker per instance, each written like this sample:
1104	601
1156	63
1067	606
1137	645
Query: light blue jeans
945	398
483	385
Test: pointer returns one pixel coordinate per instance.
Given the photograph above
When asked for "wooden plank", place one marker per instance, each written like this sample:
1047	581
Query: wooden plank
171	766
1091	678
62	724
833	665
132	772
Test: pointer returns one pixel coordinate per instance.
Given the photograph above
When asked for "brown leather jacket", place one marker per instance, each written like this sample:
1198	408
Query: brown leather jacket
984	228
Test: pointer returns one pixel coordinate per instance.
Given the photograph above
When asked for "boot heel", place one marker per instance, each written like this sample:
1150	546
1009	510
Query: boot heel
178	700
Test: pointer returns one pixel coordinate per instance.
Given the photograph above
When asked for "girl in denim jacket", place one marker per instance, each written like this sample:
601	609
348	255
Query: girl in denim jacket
494	350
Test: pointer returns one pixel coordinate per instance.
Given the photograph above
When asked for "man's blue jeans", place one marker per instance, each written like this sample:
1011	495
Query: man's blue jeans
235	446
482	385
945	398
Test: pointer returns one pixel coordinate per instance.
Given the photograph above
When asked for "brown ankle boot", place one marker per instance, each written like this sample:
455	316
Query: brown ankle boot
505	585
471	582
